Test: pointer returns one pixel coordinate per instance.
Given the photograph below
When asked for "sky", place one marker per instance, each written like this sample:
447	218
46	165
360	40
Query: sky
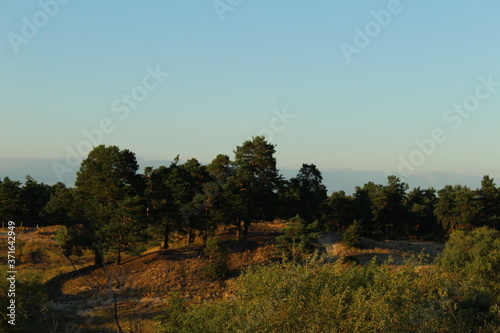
360	89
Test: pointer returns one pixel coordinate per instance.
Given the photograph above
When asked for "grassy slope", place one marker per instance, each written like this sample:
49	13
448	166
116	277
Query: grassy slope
142	284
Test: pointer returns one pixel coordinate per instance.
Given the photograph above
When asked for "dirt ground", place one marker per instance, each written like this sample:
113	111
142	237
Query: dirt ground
397	251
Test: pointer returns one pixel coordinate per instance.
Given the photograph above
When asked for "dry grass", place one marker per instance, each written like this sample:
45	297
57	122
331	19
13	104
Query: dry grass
385	250
143	284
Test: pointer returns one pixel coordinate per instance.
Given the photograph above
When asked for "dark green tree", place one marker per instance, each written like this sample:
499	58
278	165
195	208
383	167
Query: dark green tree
108	189
34	196
340	211
10	201
363	202
456	207
257	181
352	235
421	205
489	203
304	194
391	213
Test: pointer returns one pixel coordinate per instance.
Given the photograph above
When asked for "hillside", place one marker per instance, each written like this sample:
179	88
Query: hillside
142	284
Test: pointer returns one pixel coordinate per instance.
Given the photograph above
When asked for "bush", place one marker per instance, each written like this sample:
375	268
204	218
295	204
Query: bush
352	235
217	265
34	252
32	302
291	297
300	238
474	257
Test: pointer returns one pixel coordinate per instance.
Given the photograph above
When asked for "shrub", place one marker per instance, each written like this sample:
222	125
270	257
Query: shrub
352	235
300	238
217	265
32	302
474	257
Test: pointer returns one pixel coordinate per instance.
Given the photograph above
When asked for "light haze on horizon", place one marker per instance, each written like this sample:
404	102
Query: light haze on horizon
241	76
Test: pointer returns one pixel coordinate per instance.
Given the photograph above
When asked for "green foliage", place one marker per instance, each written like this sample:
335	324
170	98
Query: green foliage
257	179
339	211
352	235
314	297
217	266
32	302
208	318
474	258
456	207
304	194
71	240
110	192
300	238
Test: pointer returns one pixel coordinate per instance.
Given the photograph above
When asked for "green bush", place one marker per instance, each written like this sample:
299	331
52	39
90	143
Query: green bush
314	297
473	257
217	266
300	238
32	302
352	235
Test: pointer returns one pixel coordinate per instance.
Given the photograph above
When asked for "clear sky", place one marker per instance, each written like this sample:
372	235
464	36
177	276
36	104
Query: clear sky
347	85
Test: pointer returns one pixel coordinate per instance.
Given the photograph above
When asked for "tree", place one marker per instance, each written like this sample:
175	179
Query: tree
300	238
339	212
10	200
257	180
363	206
163	205
172	194
391	214
217	256
352	235
305	193
456	207
220	191
488	202
61	208
108	187
421	205
34	196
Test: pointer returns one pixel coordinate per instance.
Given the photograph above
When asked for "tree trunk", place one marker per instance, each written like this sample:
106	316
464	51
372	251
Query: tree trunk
190	236
246	225
204	236
164	239
119	257
238	229
98	258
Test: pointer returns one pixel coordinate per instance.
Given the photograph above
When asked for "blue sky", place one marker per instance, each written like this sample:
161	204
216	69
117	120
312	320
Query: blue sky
356	117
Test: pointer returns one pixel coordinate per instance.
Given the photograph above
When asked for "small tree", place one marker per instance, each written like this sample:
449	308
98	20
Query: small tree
352	235
217	255
300	238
